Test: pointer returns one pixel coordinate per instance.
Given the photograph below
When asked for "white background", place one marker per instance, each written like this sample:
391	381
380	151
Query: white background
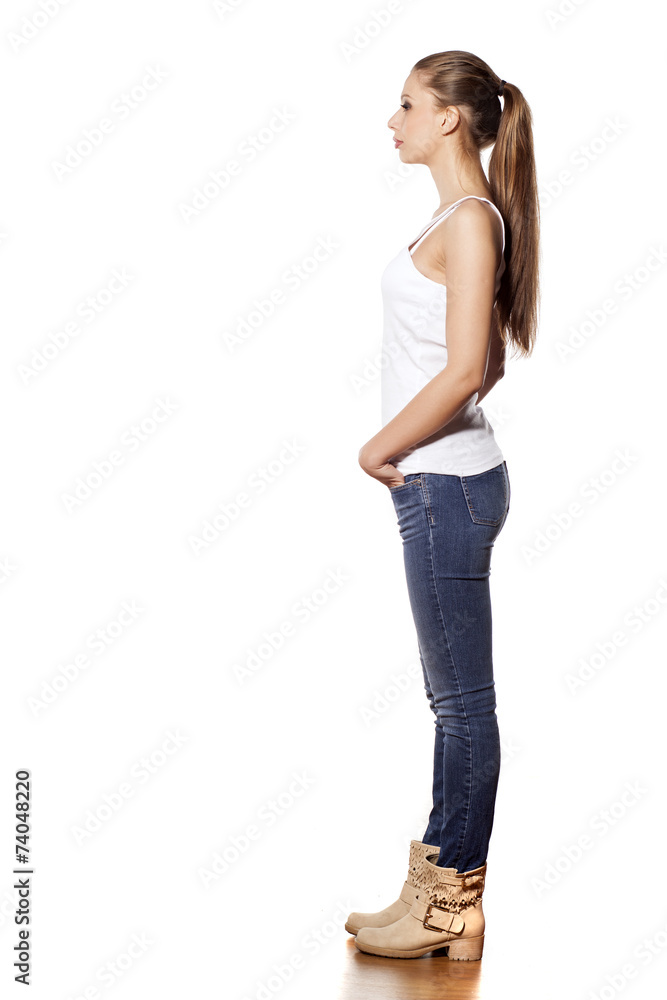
307	376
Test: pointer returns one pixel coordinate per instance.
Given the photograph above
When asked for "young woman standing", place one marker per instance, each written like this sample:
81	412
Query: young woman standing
454	298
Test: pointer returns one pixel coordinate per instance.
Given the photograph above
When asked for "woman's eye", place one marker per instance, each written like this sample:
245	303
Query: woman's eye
406	106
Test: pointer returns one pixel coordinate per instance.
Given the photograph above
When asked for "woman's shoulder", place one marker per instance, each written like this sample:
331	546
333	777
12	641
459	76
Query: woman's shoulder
472	218
475	227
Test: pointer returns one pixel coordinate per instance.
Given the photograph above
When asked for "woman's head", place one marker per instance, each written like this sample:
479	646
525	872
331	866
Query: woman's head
444	101
453	99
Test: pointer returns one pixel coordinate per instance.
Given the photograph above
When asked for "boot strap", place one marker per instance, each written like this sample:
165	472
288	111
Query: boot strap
409	893
462	880
437	918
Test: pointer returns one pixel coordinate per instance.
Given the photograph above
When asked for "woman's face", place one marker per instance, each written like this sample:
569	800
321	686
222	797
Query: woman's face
416	125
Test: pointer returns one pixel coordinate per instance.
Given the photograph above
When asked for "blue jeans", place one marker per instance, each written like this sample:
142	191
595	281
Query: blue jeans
448	525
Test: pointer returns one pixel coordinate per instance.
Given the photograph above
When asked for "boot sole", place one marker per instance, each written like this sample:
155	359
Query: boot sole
351	930
467	950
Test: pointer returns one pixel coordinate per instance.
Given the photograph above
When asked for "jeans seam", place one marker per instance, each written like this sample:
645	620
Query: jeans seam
507	490
464	824
427	500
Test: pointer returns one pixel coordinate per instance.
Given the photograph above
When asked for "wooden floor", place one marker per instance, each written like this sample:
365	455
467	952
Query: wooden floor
431	977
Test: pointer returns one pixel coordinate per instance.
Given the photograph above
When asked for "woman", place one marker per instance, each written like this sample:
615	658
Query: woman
460	292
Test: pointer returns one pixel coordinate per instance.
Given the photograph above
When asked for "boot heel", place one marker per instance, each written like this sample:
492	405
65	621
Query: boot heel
467	950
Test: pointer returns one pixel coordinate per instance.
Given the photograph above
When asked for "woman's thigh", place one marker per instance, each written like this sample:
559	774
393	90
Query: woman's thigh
448	525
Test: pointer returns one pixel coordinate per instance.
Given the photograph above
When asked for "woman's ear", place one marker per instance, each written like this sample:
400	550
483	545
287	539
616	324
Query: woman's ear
449	120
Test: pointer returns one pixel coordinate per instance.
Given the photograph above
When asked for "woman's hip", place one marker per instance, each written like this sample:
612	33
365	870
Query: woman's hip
455	519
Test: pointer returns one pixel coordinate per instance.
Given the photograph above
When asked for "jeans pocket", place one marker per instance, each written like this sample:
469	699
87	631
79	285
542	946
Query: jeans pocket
408	482
487	495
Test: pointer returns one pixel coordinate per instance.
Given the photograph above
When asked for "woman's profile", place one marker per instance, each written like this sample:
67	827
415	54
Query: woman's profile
463	290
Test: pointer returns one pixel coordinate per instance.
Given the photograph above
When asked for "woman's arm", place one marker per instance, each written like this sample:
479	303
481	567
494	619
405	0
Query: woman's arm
469	245
496	366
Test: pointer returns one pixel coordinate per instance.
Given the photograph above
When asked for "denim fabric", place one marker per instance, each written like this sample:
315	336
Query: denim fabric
448	525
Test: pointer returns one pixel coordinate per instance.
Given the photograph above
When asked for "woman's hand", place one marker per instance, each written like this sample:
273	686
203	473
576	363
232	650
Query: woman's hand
379	469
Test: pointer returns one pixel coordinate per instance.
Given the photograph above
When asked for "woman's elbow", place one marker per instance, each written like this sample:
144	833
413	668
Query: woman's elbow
473	381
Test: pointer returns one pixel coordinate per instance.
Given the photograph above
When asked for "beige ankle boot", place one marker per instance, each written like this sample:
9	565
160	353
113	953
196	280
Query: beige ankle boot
447	914
409	892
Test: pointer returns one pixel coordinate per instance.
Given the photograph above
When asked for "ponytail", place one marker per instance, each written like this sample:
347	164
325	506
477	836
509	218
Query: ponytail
462	79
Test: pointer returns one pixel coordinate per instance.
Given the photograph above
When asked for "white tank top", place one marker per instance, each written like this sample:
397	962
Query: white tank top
414	351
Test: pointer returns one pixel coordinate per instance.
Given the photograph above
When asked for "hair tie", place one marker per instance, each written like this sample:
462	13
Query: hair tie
501	87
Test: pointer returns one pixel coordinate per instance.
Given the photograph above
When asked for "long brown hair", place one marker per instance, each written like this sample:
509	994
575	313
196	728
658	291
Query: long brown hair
466	81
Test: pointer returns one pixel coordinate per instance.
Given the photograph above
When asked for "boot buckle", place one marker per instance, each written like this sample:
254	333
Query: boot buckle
432	927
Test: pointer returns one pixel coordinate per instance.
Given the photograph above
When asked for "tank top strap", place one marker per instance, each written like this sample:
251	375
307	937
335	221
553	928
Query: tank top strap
447	212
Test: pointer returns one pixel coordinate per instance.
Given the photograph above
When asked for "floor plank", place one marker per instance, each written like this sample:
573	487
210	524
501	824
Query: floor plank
430	977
